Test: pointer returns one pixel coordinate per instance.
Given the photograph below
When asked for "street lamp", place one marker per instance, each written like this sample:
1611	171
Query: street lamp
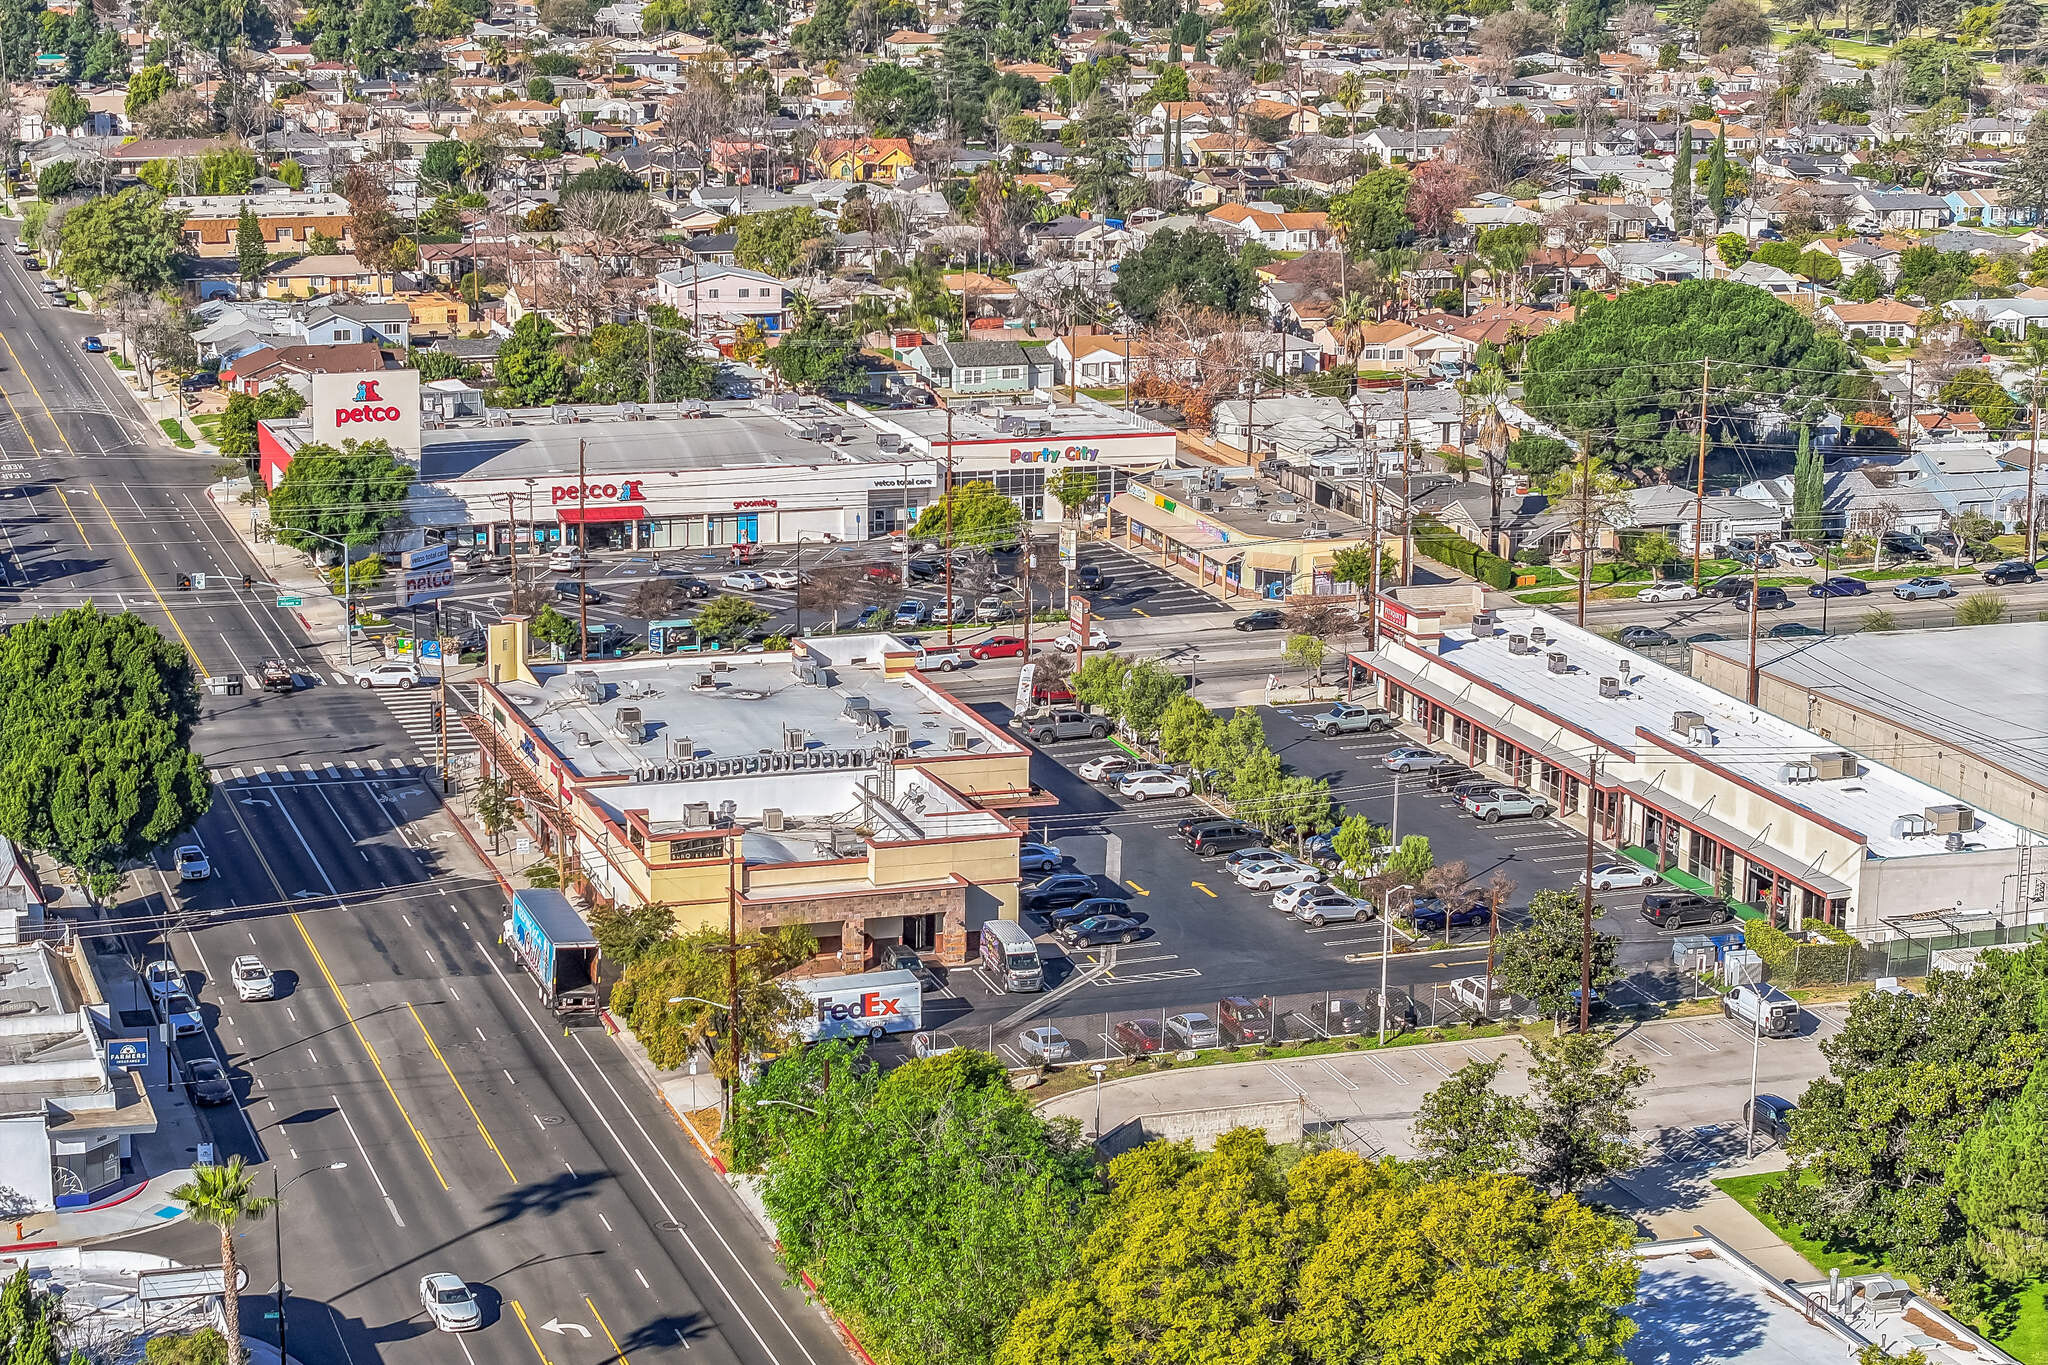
348	612
1387	946
790	1104
1098	1068
277	1228
725	1091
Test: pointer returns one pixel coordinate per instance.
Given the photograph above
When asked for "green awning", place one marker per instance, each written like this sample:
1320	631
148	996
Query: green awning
1678	876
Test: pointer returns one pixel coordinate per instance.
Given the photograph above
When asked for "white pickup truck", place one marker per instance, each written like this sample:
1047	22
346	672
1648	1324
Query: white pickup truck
944	658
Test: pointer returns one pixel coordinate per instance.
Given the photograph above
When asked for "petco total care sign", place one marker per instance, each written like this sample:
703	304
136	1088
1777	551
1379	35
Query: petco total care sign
381	405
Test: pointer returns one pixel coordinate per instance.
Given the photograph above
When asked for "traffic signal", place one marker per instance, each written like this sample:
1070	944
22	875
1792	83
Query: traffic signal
184	582
248	581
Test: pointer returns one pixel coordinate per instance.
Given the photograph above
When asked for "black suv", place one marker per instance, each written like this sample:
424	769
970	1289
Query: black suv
1060	889
2012	571
1214	838
1771	1116
1767	599
1734	585
1677	909
1899	545
1244	1021
568	589
1088	578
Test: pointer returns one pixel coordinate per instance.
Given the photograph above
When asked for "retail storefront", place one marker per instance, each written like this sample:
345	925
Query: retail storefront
1230	552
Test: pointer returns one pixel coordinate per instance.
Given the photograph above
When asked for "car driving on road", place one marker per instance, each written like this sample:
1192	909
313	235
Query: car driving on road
1915	589
1668	592
1265	618
1636	637
252	979
997	647
1070	643
192	863
1839	586
451	1305
388	673
2011	571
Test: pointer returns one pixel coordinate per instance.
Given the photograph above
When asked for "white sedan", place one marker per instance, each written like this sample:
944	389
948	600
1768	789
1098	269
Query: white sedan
1107	768
165	978
192	864
1792	552
1270	874
784	578
451	1305
1139	786
1668	592
1070	643
743	580
390	673
1613	876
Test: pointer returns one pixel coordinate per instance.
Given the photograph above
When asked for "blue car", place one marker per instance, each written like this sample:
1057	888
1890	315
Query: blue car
1430	915
1038	859
93	346
1914	589
1839	587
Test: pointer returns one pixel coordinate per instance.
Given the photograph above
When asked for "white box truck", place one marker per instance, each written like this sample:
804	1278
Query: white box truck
867	1004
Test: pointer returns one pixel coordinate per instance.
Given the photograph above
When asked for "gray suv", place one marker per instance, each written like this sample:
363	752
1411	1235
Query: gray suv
1045	726
1349	718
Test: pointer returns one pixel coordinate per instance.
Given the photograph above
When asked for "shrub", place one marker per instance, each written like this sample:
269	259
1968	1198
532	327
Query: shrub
1446	546
1791	962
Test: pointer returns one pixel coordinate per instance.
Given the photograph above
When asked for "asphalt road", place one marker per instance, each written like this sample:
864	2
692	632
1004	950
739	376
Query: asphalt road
479	1136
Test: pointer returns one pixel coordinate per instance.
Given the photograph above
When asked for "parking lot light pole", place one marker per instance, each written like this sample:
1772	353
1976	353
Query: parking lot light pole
1387	946
1098	1068
1756	1048
277	1229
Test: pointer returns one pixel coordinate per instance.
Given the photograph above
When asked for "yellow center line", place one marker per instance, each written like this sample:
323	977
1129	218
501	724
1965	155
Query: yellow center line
23	424
618	1354
197	662
347	1013
1203	889
520	1313
435	1048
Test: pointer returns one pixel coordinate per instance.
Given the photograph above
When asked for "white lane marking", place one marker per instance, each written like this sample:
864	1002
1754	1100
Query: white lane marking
388	1202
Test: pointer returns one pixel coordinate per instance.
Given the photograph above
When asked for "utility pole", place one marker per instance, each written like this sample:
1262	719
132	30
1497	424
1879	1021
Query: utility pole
1699	493
1372	638
1755	588
734	870
1586	902
1407	501
1585	523
582	557
441	704
2033	459
1912	403
512	538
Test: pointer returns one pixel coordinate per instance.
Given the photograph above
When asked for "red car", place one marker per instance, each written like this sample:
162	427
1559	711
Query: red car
998	647
1139	1037
880	573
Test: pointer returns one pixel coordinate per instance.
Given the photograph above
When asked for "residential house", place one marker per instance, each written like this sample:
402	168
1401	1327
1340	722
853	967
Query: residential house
1098	361
1395	144
863	160
1885	320
1273	227
309	275
1431	418
1676	512
1295	427
1897	210
1987	208
727	295
980	367
437	314
907	44
262	370
1657	262
287	221
1777	283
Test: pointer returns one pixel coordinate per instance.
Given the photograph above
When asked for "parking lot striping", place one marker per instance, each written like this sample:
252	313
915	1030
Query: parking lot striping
1203	889
1638	1036
1709	1046
1396	1077
1137	888
1180	974
1430	1057
1474	1053
1296	1086
1338	1076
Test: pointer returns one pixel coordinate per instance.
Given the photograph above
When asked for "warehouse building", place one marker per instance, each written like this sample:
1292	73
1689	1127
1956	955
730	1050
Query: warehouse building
831	787
1979	733
1714	794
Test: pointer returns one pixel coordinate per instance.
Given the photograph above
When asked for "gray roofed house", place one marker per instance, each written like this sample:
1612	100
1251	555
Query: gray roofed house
1878	210
981	367
1676	512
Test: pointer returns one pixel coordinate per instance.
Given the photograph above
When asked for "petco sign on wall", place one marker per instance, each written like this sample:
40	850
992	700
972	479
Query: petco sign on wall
383	405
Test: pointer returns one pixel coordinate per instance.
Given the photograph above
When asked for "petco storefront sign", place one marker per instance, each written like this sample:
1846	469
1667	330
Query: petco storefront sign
380	406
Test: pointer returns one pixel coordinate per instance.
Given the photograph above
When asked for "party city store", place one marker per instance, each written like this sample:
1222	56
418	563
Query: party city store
1713	793
831	788
1236	534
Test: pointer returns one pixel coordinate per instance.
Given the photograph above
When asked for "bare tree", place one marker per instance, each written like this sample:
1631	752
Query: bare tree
610	224
1499	146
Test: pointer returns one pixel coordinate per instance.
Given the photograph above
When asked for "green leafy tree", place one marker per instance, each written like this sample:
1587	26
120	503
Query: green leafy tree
1099	683
883	1185
1626	369
252	257
1540	960
96	765
125	238
66	108
1073	488
896	100
612	365
493	802
1809	490
1298	807
532	371
228	170
2000	1180
1867	285
980	516
2026	186
352	495
1717	177
30	1319
695	965
1581	1094
1305	652
816	356
1373	215
203	1347
1734	249
236	434
1411	860
730	619
1360	845
1148	690
1466	1128
1681	182
1238	1255
146	87
625	935
223	1198
553	628
1353	565
1650	552
441	163
1199	266
56	180
1172	85
781	242
1184	727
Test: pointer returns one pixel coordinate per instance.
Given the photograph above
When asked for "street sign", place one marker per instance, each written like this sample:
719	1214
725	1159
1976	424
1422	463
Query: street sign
199	580
291	601
130	1054
430	649
655	635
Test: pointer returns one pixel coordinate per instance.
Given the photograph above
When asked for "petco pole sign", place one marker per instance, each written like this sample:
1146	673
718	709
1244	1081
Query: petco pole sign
383	405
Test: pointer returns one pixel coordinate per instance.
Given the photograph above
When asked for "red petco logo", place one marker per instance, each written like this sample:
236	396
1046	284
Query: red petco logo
370	406
626	490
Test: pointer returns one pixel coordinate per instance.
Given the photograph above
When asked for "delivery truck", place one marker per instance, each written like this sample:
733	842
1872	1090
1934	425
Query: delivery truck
867	1004
557	949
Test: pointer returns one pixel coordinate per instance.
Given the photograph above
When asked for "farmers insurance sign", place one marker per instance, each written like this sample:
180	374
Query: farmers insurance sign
381	405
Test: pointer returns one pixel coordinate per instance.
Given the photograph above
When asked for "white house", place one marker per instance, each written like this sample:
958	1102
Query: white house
728	293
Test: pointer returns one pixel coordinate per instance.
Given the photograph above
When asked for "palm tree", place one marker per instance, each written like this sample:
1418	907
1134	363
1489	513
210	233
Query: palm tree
1354	314
225	1197
1396	265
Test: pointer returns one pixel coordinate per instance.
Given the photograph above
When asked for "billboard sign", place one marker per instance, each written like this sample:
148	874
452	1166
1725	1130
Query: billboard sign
378	405
130	1054
425	585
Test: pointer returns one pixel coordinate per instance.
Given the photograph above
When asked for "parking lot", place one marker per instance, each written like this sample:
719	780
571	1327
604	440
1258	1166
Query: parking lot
1205	937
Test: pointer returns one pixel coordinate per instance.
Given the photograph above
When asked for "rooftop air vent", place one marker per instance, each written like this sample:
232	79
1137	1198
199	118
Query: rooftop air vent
627	725
1684	722
1952	818
1702	735
1538	635
1912	827
956	739
697	814
1798	772
856	710
771	819
1833	765
562	414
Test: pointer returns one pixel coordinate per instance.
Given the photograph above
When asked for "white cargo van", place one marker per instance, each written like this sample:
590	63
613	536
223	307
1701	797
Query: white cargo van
1010	957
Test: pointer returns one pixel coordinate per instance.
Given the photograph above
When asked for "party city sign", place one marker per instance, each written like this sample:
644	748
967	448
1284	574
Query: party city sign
1056	455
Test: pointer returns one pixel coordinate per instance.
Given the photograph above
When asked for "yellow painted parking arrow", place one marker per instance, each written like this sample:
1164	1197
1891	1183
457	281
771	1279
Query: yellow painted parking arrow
1137	888
1203	889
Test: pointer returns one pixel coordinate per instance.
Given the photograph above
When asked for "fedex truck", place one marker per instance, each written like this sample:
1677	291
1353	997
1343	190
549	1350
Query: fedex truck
868	1004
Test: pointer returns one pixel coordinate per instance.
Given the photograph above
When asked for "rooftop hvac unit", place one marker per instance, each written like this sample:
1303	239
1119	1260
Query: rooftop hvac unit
1204	503
856	710
704	682
1284	498
632	412
1539	635
1284	516
1518	644
693	407
771	819
1011	426
810	675
899	735
1483	625
682	747
627	725
1037	426
562	413
793	738
1610	688
787	402
844	758
697	814
1833	765
587	686
1558	661
720	666
889	441
956	739
1952	818
778	763
1702	735
1683	722
1912	827
1797	772
497	417
1953	843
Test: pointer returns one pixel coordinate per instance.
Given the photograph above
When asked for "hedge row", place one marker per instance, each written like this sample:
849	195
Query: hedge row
1791	962
1446	546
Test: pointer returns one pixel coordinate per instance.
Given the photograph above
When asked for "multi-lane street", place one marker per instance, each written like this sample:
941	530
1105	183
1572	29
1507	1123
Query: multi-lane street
479	1136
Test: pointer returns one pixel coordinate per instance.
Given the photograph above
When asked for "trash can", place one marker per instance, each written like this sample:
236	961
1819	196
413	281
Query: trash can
234	685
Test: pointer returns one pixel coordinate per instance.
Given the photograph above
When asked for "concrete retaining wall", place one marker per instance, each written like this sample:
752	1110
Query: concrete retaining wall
1281	1120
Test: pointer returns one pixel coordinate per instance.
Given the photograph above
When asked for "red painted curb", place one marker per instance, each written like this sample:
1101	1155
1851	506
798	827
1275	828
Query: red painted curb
33	1246
113	1203
844	1330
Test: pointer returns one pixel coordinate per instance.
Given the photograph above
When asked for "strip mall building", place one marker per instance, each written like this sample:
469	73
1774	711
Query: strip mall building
1715	794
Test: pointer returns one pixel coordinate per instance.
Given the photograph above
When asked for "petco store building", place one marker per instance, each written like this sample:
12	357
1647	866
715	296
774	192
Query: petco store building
377	405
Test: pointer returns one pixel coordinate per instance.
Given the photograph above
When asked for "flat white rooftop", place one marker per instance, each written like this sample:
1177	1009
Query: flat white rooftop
1753	744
